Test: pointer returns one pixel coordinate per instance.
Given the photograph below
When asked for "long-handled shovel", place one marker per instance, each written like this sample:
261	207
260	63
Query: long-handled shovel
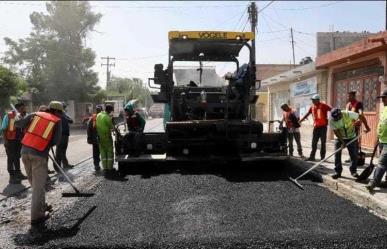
368	170
295	181
77	192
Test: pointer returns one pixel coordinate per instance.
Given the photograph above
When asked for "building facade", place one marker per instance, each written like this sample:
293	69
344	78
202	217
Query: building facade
360	66
295	87
264	71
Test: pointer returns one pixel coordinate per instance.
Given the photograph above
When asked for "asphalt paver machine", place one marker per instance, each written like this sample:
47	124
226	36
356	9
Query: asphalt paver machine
207	118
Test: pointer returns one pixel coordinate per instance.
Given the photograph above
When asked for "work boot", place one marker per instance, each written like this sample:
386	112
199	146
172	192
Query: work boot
96	167
13	179
51	172
40	221
68	166
370	187
21	176
311	159
336	176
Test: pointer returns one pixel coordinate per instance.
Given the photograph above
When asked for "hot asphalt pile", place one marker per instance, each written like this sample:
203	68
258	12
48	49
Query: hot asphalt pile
234	207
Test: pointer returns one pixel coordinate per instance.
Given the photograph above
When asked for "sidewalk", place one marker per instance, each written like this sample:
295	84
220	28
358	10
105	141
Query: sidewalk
346	186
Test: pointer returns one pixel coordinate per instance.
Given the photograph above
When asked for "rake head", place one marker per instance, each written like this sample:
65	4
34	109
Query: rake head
296	183
77	194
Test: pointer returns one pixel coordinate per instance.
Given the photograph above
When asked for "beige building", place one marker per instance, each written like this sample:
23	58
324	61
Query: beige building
264	71
295	87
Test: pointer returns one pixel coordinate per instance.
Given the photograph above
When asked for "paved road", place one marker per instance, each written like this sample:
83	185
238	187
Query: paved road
208	206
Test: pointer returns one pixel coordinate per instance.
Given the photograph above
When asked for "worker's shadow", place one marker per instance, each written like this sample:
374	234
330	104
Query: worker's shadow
39	236
15	190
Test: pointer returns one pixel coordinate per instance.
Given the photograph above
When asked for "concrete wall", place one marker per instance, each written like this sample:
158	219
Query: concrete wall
329	41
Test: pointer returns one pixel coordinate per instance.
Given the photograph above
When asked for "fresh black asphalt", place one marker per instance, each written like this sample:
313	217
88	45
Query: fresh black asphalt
211	206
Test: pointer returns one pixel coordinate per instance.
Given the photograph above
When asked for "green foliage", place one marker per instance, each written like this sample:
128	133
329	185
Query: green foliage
11	86
54	59
130	88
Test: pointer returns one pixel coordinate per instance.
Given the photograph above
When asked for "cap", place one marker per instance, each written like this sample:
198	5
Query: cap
352	91
56	105
335	113
315	97
284	104
99	107
384	94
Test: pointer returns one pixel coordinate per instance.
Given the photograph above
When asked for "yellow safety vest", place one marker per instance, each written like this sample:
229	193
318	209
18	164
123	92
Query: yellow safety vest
382	126
348	131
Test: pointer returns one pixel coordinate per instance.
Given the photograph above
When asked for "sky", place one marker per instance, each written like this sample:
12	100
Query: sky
136	33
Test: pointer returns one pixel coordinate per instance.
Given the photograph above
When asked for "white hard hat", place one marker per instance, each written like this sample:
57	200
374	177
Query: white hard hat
315	97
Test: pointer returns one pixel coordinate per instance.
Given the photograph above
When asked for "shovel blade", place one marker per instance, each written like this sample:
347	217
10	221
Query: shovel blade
366	173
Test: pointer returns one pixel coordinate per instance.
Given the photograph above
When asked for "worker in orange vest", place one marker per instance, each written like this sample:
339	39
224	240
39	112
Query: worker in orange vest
92	137
12	143
319	111
43	130
291	118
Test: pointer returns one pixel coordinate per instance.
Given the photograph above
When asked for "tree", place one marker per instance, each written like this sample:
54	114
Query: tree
11	85
53	59
130	88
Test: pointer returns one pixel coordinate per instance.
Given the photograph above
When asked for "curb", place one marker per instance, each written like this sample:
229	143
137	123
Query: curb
342	189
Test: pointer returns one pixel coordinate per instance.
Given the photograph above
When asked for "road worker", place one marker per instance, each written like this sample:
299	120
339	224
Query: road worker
291	118
105	126
381	169
92	137
61	148
136	124
319	110
12	143
42	131
343	124
356	106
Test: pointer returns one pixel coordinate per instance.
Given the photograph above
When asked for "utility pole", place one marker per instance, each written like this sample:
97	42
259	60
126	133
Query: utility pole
253	17
294	58
252	10
108	64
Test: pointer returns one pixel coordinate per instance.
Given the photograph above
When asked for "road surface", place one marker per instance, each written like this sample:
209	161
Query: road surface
200	206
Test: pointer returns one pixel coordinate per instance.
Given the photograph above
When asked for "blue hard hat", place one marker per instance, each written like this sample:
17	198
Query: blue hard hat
336	113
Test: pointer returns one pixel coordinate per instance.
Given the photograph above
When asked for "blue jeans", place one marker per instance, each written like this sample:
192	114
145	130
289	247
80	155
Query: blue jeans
382	166
353	152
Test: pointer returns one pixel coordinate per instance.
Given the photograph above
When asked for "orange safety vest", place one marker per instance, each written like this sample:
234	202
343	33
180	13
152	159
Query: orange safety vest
10	133
94	120
39	132
320	114
288	121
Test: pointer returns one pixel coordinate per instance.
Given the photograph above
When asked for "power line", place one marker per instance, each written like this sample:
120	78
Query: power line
312	7
267	5
229	19
132	7
245	25
240	19
142	58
